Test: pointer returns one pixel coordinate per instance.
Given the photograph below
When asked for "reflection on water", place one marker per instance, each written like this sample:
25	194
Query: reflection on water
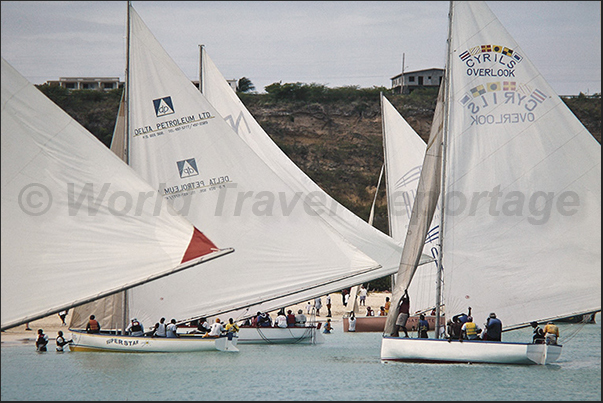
346	367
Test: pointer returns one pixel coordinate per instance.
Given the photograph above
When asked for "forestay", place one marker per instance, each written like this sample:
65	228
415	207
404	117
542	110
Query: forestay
77	223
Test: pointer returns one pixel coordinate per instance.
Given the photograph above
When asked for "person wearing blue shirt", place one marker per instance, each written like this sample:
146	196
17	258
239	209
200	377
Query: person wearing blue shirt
493	328
423	327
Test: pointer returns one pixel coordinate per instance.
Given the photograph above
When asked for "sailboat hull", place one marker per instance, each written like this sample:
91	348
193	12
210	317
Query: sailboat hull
146	344
275	335
467	351
377	323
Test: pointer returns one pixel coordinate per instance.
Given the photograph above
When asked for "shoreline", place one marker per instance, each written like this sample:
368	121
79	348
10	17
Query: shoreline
52	324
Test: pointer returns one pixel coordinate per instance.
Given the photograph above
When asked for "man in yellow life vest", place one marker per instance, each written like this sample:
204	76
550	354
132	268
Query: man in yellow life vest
470	330
551	333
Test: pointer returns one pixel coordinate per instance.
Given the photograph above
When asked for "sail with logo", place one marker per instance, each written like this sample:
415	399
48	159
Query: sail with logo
185	150
68	233
380	247
520	180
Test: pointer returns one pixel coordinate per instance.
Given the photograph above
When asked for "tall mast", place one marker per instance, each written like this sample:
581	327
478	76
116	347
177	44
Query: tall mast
127	137
201	48
443	171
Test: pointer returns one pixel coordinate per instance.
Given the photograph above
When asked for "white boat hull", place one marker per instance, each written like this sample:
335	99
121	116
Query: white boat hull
276	335
467	351
146	344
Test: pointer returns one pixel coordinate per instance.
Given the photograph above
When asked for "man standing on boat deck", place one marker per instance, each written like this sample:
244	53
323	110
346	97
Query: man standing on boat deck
404	313
493	328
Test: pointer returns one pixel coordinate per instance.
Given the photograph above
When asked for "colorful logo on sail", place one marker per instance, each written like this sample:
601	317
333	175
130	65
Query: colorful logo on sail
187	168
491	61
163	106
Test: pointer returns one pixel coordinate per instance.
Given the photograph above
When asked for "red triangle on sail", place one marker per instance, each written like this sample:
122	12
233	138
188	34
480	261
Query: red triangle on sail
200	245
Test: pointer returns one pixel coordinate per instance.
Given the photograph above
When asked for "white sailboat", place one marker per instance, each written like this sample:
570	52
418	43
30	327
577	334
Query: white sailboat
520	178
403	151
70	233
380	247
181	145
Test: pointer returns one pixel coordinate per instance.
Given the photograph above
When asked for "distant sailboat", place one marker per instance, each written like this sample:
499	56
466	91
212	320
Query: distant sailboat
403	151
374	243
521	176
74	226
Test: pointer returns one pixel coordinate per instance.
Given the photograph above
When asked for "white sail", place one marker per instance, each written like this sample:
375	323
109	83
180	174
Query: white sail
383	249
522	184
186	150
404	151
422	214
77	223
522	233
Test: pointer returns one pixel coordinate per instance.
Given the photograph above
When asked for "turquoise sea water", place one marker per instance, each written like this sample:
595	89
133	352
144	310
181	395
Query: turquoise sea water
347	367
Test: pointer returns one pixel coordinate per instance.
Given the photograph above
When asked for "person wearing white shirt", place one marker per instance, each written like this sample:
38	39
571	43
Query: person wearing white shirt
171	329
281	320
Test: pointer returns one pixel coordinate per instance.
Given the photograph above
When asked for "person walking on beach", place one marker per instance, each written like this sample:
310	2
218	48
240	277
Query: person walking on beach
61	342
41	341
362	296
328	306
309	308
93	326
317	305
387	305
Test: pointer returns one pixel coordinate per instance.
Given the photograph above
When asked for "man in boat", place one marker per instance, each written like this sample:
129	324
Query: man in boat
470	330
300	319
159	330
216	329
404	313
135	328
453	329
93	326
422	327
538	337
551	333
493	328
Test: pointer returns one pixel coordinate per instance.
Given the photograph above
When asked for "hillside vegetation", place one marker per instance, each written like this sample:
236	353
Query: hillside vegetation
332	134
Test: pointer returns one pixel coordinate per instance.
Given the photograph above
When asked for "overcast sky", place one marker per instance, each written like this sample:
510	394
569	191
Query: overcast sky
332	43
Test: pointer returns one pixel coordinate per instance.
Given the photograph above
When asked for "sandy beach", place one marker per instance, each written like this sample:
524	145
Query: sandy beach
52	324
